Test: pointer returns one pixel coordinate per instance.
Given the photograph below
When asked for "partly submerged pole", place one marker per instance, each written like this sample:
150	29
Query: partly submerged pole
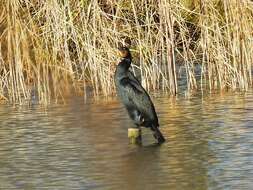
134	135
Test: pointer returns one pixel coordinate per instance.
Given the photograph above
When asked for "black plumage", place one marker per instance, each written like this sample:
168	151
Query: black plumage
134	97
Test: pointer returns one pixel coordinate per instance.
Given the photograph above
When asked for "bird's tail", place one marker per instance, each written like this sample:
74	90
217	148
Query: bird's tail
158	135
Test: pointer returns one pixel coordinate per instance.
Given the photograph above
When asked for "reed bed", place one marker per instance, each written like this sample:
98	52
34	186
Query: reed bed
54	48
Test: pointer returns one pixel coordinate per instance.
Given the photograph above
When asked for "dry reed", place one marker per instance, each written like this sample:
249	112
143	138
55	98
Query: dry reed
50	49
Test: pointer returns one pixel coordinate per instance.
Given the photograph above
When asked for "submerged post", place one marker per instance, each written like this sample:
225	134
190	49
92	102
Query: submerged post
134	135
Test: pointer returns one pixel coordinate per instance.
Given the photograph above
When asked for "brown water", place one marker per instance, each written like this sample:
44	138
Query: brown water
84	146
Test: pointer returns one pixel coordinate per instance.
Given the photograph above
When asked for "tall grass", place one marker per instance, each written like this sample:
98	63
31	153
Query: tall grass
51	49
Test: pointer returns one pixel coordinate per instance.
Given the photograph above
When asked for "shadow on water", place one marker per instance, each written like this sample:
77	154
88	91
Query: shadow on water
85	146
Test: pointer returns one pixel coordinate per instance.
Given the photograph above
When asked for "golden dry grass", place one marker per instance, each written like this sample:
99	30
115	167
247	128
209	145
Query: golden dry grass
53	47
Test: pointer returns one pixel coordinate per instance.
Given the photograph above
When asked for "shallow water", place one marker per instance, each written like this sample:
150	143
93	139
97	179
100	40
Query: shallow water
85	146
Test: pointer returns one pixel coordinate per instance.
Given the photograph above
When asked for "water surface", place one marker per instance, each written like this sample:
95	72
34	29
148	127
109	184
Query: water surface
84	145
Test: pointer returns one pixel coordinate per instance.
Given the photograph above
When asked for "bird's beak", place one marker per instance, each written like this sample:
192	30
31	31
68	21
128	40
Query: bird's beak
123	53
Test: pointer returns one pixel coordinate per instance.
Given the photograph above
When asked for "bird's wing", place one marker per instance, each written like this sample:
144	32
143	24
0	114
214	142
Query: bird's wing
132	77
139	97
132	87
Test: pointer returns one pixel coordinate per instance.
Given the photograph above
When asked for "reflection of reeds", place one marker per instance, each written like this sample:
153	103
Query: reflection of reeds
51	47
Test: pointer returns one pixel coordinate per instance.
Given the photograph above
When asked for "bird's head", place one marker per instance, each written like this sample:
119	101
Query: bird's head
124	53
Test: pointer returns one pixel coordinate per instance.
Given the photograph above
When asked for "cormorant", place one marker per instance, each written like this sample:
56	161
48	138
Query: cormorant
134	97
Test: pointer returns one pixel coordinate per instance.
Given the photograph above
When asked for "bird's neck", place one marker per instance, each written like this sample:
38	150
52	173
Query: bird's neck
123	67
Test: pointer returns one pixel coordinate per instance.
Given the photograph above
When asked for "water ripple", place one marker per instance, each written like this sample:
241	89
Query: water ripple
85	146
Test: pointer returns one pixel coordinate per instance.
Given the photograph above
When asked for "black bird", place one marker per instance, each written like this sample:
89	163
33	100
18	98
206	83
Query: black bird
134	97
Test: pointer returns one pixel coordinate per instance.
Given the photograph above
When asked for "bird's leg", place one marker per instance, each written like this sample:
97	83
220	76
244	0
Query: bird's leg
137	118
141	119
134	134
